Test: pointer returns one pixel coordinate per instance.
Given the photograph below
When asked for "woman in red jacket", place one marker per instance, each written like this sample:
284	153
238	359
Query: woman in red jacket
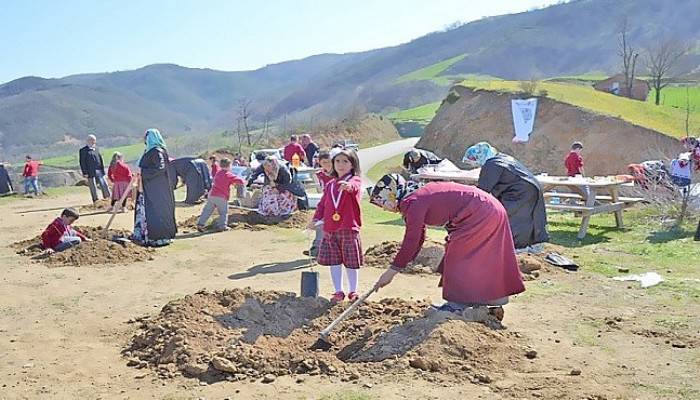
120	176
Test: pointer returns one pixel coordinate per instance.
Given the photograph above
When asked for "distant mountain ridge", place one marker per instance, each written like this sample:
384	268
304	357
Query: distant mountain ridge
565	39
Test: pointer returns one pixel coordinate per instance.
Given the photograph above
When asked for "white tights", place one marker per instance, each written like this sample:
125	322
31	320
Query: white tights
337	278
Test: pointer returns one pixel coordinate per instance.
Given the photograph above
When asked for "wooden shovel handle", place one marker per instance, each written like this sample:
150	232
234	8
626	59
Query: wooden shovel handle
348	311
114	209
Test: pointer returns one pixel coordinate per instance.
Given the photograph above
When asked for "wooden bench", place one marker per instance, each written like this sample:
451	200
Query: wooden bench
574	196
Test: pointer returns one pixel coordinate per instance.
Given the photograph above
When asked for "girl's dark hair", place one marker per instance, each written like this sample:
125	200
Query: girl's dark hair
354	160
323	155
70	213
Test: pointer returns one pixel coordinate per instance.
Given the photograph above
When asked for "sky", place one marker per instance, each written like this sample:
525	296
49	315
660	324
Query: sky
51	39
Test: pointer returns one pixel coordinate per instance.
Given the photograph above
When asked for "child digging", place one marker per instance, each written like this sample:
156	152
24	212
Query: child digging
339	209
120	175
324	177
60	235
219	195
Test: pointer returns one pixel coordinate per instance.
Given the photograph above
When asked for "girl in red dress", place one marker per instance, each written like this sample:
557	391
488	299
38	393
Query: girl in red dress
340	211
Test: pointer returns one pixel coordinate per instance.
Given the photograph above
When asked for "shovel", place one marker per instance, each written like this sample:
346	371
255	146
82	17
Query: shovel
323	342
310	279
114	209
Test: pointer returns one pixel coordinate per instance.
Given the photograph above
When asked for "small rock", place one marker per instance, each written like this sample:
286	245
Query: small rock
133	362
679	345
623	270
531	354
367	386
223	365
575	372
301	379
483	378
420	363
28	365
354	376
269	378
202	383
196	369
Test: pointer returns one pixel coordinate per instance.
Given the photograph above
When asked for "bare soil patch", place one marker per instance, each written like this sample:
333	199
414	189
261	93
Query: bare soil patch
426	262
242	334
251	220
101	250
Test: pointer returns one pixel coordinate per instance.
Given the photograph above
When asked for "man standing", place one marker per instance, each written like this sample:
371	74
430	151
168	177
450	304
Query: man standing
294	148
92	166
310	148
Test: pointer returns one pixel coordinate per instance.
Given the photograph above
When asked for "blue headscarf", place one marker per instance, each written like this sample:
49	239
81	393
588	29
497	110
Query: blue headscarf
479	153
153	139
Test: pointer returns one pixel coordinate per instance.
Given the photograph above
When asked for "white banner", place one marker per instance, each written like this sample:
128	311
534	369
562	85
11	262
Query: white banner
524	112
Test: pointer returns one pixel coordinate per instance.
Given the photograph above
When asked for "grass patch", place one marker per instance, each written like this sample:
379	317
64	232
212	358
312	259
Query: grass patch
663	118
674	96
384	167
131	153
430	72
424	113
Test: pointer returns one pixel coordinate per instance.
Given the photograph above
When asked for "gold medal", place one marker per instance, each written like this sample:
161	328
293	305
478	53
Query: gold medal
336	217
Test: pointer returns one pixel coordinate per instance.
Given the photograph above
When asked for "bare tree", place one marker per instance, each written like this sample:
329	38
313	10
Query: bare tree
243	115
660	60
629	58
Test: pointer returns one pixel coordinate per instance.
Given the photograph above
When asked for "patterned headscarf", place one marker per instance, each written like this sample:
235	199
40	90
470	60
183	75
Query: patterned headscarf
392	187
479	153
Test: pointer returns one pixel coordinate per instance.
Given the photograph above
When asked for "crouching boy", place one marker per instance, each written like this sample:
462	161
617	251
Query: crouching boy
60	235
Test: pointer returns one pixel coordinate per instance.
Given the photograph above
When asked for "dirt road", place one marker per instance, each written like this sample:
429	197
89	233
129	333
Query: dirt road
373	155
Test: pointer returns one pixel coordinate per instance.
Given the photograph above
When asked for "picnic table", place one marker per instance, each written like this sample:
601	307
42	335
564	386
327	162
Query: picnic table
582	196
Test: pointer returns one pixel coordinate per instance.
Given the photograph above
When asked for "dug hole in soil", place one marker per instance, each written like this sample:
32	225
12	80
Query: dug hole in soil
251	220
241	334
428	259
100	251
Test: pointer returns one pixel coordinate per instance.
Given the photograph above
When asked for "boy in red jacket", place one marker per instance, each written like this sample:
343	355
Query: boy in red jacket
31	175
219	195
60	235
574	161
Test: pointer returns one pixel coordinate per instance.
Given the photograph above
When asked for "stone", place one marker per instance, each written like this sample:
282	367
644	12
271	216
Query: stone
679	345
224	365
575	372
623	270
483	378
269	378
531	354
195	369
420	363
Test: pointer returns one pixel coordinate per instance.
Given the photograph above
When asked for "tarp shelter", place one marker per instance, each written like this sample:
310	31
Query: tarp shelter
195	173
5	181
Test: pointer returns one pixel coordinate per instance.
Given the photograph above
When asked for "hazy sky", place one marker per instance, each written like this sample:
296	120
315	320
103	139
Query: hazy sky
52	38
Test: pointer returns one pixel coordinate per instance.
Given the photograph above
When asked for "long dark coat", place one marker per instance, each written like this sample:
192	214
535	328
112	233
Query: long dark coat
159	199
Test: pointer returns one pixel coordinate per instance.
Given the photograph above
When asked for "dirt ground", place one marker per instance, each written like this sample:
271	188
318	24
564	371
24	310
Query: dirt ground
251	220
65	332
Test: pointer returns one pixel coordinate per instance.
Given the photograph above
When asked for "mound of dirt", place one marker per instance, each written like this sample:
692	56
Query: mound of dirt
241	334
97	252
426	262
482	115
251	220
104	205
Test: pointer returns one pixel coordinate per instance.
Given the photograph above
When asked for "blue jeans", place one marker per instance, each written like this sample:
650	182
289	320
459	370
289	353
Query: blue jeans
68	242
99	179
31	182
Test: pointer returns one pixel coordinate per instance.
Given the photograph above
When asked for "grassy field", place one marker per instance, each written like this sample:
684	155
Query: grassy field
434	72
664	118
675	96
424	113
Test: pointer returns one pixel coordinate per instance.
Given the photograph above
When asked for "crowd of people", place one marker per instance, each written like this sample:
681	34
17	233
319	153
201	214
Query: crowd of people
486	224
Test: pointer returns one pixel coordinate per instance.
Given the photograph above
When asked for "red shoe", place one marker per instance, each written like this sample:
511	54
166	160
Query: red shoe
337	297
352	296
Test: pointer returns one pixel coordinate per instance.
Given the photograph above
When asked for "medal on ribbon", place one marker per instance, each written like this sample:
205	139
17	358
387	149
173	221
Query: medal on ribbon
336	202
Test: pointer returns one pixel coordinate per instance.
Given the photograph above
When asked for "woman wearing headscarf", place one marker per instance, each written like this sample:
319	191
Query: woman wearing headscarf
279	193
154	215
508	180
479	267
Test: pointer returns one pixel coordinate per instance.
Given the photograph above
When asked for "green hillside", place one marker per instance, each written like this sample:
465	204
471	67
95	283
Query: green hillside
675	96
423	113
430	72
663	118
